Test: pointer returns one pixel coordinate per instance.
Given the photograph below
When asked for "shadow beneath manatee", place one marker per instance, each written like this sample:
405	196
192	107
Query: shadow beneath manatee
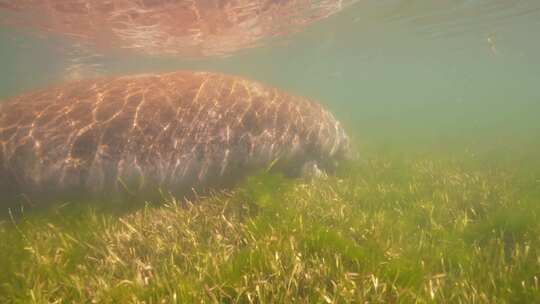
125	197
16	205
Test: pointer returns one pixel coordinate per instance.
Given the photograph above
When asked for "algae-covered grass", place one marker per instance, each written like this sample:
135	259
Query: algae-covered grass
390	228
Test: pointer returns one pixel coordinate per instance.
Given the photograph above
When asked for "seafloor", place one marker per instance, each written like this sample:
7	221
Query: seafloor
443	223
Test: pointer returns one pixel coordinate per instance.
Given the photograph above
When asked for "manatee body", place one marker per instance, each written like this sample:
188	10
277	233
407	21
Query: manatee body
172	131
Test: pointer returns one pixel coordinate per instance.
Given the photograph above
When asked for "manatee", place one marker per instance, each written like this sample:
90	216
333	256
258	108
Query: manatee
173	131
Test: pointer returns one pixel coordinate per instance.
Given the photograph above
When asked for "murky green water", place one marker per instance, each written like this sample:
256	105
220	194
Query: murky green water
441	99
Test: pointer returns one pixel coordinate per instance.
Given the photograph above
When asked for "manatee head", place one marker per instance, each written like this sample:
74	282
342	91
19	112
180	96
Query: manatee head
331	149
324	144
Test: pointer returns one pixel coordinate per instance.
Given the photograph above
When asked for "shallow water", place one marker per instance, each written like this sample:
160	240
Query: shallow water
441	99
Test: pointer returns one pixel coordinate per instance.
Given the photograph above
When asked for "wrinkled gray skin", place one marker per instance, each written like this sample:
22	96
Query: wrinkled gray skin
173	131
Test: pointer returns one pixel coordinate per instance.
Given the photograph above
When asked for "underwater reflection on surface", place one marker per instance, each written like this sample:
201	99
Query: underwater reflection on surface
163	27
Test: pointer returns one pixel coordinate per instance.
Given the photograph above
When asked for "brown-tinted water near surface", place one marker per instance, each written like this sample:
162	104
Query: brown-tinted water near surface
160	27
173	131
